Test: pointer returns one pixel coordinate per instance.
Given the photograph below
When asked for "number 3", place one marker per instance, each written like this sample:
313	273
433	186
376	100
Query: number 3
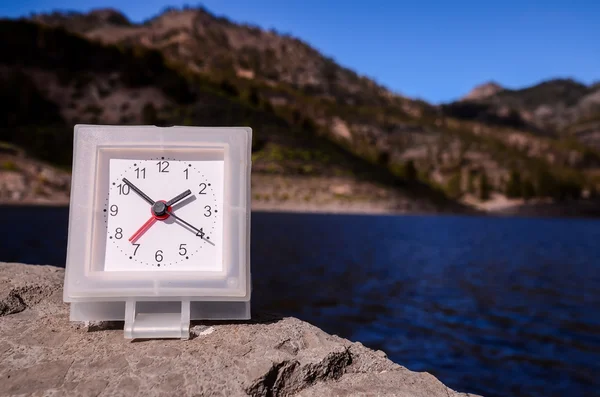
208	212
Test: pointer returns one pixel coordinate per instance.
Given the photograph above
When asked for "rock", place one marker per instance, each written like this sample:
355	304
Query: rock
43	353
245	73
341	190
22	286
23	179
12	185
484	91
340	129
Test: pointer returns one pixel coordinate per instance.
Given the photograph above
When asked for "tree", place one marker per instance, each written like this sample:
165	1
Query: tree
329	71
149	114
453	186
471	182
308	124
568	189
254	97
229	88
410	171
513	187
593	191
267	106
546	186
484	187
527	189
296	117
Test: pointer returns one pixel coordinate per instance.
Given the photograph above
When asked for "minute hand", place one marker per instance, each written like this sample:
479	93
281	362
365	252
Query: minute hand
198	232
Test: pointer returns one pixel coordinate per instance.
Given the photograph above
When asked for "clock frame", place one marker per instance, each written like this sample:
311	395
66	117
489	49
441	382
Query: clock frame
156	303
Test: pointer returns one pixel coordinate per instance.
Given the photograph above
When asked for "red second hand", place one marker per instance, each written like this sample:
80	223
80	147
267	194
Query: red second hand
148	224
143	229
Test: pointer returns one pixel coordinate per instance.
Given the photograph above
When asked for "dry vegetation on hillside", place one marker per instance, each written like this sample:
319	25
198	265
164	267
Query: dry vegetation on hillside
311	117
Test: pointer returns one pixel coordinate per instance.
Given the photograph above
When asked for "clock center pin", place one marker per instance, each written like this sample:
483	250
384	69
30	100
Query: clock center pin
159	210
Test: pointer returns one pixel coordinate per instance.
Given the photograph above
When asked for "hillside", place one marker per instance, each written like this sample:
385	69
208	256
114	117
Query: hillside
313	118
561	108
202	42
54	79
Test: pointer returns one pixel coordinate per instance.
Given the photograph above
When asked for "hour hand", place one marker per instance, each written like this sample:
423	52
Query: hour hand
138	191
178	198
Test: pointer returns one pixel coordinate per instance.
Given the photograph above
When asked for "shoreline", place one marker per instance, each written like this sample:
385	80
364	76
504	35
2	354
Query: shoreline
328	195
575	209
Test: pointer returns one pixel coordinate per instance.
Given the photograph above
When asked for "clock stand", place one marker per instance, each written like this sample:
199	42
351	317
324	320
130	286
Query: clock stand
158	319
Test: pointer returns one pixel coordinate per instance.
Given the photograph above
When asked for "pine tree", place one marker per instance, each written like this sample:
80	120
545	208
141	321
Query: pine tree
513	187
254	97
527	189
410	171
471	183
546	185
149	114
453	186
484	187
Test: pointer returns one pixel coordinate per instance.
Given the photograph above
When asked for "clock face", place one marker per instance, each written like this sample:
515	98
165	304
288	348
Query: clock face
164	214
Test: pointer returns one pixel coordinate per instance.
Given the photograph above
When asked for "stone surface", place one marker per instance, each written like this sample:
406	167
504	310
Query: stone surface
42	353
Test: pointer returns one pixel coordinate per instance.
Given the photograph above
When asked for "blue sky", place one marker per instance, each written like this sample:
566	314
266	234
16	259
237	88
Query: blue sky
436	50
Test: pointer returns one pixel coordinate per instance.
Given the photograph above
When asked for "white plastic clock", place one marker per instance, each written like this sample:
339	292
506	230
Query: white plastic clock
159	227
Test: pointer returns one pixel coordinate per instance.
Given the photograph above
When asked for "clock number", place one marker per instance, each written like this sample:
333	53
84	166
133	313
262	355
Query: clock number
136	248
187	172
158	256
114	210
208	211
123	189
200	233
119	233
182	250
162	166
141	172
203	186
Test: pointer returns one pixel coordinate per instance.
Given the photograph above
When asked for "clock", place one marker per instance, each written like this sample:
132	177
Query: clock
162	213
159	227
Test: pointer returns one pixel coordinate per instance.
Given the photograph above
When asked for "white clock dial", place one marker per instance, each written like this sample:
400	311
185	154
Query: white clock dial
185	236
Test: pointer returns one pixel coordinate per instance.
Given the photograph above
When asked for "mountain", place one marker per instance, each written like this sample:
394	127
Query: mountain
312	117
483	91
560	107
52	79
203	42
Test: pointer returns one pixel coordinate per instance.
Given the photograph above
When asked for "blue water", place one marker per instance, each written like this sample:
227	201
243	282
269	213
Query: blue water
494	306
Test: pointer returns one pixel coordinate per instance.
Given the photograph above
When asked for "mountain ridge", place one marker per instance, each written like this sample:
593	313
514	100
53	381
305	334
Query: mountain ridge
238	74
563	107
483	90
115	17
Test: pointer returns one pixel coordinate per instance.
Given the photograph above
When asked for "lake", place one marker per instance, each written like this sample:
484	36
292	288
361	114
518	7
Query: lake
494	306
